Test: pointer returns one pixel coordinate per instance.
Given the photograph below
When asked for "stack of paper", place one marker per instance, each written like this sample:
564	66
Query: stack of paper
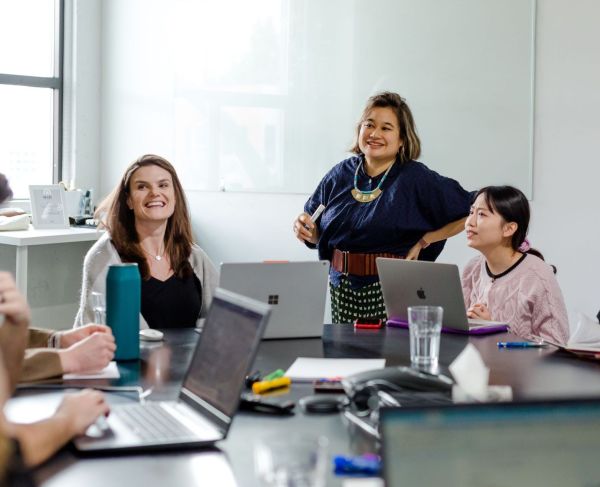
585	338
309	369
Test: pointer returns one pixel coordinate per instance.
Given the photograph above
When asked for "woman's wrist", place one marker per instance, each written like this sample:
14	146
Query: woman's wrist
424	243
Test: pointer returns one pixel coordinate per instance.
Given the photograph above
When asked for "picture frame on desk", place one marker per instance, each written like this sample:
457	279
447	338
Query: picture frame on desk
48	208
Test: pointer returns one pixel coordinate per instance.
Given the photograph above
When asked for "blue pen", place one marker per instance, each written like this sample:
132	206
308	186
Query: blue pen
521	344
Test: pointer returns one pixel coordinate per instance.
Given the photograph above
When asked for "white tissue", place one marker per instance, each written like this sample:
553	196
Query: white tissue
472	376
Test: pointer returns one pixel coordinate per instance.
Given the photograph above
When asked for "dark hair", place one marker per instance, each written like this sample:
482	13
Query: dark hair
411	145
512	205
120	221
5	191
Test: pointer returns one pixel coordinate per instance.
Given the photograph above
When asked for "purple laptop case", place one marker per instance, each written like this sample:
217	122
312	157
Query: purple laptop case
400	323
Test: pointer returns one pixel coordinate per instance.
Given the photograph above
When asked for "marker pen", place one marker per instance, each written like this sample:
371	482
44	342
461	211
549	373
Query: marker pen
317	213
521	344
267	385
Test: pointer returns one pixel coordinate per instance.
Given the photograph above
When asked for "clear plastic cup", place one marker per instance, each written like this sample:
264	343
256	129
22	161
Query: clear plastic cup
425	327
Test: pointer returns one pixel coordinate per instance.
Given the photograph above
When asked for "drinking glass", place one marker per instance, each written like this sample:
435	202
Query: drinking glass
425	326
300	461
99	308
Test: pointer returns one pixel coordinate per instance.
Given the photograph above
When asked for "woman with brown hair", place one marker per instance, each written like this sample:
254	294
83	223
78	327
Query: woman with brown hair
380	202
148	223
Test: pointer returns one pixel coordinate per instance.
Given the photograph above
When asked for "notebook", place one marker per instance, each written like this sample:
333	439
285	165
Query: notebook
407	283
549	443
295	290
209	396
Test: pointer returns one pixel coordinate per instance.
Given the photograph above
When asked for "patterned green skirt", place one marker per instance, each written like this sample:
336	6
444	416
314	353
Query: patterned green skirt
347	304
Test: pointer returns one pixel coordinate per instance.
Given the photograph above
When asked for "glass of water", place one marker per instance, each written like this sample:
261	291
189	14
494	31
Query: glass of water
99	308
425	327
299	461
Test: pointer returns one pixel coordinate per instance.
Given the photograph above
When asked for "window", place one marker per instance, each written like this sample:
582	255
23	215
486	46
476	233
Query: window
30	92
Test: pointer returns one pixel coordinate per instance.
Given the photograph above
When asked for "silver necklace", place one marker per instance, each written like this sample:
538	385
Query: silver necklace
157	257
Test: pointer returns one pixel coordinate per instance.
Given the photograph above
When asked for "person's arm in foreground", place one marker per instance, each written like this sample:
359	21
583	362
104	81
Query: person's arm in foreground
40	440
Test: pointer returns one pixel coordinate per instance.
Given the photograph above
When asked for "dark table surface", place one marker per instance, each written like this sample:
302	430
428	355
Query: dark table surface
532	373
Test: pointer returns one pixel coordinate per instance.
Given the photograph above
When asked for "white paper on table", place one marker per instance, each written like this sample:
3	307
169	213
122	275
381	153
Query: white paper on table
309	369
111	371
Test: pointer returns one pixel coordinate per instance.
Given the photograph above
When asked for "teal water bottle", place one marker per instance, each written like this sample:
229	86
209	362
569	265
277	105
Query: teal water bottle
123	298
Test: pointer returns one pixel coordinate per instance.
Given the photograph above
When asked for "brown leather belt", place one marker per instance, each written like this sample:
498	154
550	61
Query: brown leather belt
357	264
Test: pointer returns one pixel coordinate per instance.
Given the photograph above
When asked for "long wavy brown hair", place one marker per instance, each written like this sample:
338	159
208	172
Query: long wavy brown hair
116	216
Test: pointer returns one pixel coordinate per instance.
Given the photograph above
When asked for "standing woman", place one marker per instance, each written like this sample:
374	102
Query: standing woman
380	202
148	223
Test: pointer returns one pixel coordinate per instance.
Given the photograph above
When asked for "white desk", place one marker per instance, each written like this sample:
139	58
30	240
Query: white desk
23	239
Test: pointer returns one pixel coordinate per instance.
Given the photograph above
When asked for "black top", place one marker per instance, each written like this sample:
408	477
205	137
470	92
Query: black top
174	303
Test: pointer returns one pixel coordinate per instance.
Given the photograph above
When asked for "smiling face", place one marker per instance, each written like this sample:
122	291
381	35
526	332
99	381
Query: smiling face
487	230
151	194
379	137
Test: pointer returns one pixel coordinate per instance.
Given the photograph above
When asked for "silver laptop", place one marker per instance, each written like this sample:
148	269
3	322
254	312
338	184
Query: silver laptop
549	443
407	283
210	393
295	290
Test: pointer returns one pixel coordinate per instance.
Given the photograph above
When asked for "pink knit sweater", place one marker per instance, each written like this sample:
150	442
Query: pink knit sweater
528	298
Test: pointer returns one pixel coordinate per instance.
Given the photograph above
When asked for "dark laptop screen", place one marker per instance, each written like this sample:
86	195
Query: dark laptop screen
223	355
552	443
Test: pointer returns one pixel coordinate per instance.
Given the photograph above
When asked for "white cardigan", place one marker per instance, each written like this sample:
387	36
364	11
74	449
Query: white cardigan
103	254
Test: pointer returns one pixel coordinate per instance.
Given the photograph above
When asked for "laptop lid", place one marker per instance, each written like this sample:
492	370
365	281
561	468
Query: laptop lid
224	353
549	443
210	394
407	283
295	290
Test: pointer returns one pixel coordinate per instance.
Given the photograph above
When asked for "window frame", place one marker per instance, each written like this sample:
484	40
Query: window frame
55	83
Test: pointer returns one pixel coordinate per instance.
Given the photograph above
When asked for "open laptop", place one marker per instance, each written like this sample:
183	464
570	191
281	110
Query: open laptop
549	443
407	283
295	290
210	393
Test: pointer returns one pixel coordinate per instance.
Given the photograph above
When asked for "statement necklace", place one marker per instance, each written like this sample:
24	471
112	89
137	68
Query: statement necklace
368	196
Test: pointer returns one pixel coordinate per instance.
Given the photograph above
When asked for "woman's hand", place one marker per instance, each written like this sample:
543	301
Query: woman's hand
479	311
80	410
70	337
12	303
91	354
413	253
305	230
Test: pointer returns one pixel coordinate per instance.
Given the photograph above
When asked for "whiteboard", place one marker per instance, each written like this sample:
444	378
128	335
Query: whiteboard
268	99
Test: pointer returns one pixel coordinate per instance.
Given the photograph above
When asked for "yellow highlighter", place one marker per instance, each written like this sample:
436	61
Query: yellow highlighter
267	385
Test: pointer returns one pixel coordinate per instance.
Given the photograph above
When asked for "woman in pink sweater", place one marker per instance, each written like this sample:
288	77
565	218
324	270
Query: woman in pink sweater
509	281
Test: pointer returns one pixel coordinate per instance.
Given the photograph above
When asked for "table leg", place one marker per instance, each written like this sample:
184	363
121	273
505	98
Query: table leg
21	269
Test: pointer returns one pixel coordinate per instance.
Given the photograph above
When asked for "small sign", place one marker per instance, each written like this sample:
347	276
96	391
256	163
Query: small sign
48	206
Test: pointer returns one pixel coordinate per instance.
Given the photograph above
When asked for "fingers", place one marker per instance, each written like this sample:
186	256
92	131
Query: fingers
83	408
95	327
12	302
304	228
477	310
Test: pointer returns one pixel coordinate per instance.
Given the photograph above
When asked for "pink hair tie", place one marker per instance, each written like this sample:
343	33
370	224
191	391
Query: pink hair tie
524	247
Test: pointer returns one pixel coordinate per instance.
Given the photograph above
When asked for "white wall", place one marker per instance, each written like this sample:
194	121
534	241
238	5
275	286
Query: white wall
243	226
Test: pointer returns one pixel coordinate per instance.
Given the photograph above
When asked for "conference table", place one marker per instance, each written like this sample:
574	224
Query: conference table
532	374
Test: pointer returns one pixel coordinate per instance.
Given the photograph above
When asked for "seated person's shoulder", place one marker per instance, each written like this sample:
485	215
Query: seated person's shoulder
473	267
539	267
101	253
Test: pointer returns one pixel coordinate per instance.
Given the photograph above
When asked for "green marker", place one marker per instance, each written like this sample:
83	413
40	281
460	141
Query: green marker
276	374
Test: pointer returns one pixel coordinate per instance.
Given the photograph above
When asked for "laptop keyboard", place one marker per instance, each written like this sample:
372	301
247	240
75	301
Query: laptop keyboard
152	423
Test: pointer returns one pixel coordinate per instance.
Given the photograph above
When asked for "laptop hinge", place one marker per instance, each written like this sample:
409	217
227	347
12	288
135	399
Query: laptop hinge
209	408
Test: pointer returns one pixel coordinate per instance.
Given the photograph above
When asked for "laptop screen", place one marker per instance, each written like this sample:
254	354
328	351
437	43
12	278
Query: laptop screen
223	355
541	443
